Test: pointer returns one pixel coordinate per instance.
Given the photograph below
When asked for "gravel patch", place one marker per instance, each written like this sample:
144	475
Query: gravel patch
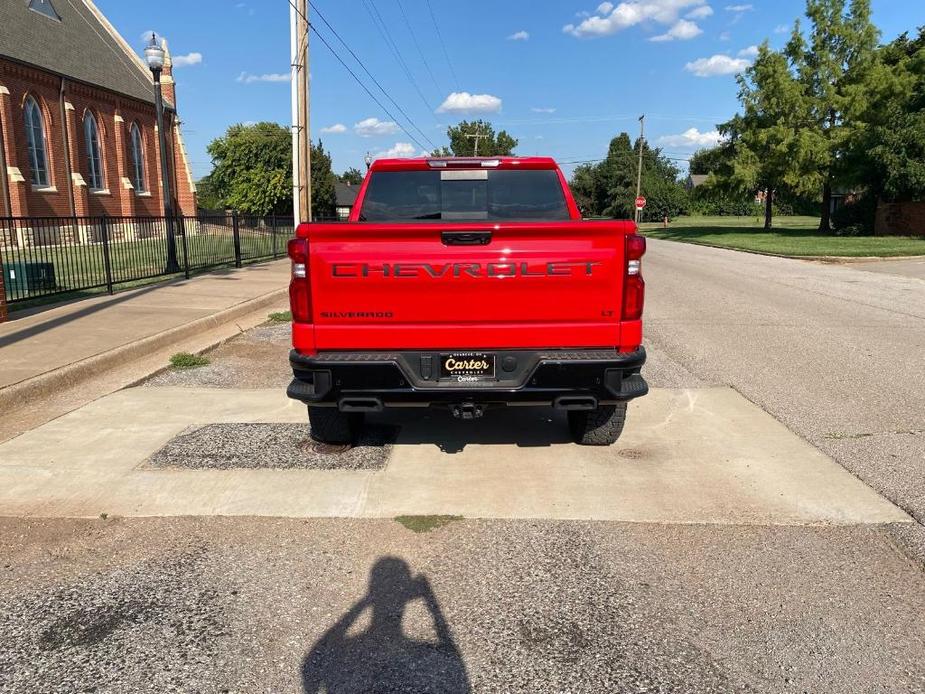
272	446
258	358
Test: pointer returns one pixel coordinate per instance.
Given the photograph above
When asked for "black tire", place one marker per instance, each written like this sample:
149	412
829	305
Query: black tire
600	427
330	425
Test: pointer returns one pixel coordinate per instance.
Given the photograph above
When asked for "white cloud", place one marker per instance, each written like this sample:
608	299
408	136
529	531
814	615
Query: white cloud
610	19
781	29
519	36
739	8
193	58
369	127
247	78
463	102
543	109
701	12
683	30
691	139
749	52
725	36
717	65
398	150
335	129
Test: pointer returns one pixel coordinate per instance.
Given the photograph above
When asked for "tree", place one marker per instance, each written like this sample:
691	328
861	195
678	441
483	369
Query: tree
832	67
252	168
252	171
770	147
609	187
489	143
323	178
709	159
888	156
351	176
207	197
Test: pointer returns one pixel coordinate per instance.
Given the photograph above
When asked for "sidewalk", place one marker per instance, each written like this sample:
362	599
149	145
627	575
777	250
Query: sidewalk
45	349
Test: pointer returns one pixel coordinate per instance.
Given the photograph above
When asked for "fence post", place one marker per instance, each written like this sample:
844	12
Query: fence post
107	261
236	233
3	310
181	225
273	232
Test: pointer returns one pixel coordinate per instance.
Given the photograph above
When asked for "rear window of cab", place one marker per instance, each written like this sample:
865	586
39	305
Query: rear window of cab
463	195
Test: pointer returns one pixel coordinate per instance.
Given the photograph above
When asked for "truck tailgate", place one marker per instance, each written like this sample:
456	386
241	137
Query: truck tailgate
472	285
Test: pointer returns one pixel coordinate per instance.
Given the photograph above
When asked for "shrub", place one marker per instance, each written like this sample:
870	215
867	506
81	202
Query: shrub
281	317
185	360
855	218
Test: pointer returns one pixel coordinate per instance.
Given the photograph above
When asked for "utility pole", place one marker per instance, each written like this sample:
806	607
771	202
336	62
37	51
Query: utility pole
305	142
301	142
477	136
642	130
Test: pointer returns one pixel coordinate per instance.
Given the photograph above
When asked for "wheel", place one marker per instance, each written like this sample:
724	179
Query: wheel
600	427
330	425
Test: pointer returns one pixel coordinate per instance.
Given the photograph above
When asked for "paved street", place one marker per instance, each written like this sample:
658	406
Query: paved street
834	352
753	563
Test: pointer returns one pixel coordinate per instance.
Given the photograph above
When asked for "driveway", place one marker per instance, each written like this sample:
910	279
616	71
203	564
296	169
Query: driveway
912	267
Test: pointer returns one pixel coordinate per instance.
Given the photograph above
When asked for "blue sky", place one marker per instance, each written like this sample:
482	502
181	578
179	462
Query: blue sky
563	77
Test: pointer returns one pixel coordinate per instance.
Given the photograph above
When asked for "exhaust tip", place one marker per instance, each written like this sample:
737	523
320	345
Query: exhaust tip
575	402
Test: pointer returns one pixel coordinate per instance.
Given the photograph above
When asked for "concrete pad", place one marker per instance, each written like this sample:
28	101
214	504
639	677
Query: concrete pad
687	456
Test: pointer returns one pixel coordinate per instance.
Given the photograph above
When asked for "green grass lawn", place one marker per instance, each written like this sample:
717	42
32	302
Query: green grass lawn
793	236
82	268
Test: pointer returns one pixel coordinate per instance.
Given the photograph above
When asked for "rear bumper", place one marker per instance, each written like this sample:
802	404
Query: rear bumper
371	381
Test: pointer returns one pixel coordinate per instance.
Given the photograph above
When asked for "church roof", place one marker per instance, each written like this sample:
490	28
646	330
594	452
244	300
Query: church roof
72	38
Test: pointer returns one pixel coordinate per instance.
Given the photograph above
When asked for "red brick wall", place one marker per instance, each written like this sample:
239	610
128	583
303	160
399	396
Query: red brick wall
115	115
900	219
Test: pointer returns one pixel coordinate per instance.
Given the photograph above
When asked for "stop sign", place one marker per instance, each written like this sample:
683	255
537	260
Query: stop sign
640	202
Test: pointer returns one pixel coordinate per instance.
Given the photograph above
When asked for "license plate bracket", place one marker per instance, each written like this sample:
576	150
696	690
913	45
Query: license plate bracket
467	367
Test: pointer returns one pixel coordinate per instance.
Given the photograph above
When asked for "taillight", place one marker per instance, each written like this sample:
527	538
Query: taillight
634	288
300	292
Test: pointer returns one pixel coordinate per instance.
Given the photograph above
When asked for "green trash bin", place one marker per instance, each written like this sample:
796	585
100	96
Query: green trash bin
22	279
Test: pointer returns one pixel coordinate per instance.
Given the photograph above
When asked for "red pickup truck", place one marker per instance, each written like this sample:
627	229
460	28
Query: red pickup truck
467	284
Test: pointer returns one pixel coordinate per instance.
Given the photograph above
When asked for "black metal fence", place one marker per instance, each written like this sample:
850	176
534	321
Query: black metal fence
44	256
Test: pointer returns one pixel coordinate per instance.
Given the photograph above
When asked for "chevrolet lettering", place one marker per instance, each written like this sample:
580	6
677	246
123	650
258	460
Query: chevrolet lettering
456	270
467	284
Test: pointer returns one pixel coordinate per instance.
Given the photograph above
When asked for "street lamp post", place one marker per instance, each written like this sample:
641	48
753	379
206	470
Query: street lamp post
154	55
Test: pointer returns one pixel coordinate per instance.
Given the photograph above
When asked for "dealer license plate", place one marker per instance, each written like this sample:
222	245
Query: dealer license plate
467	366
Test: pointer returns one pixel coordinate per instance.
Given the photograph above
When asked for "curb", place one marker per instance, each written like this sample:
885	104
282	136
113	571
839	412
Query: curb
31	389
829	259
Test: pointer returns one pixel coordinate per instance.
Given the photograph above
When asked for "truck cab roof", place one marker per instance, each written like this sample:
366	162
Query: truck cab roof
438	163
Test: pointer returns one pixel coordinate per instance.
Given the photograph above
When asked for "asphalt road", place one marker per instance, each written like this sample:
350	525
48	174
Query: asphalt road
264	605
834	352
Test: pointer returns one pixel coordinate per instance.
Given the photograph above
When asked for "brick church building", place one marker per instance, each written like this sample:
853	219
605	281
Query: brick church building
78	132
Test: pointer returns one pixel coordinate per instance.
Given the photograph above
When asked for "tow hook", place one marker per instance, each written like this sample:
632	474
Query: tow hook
467	410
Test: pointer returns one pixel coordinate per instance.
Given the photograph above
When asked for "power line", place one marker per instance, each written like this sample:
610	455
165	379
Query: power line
442	44
354	75
365	88
393	47
370	75
417	45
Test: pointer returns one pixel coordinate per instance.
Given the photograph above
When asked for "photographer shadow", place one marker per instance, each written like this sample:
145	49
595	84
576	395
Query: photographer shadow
381	657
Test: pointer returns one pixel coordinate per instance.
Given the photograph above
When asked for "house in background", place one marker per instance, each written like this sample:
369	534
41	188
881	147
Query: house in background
695	181
78	131
345	195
